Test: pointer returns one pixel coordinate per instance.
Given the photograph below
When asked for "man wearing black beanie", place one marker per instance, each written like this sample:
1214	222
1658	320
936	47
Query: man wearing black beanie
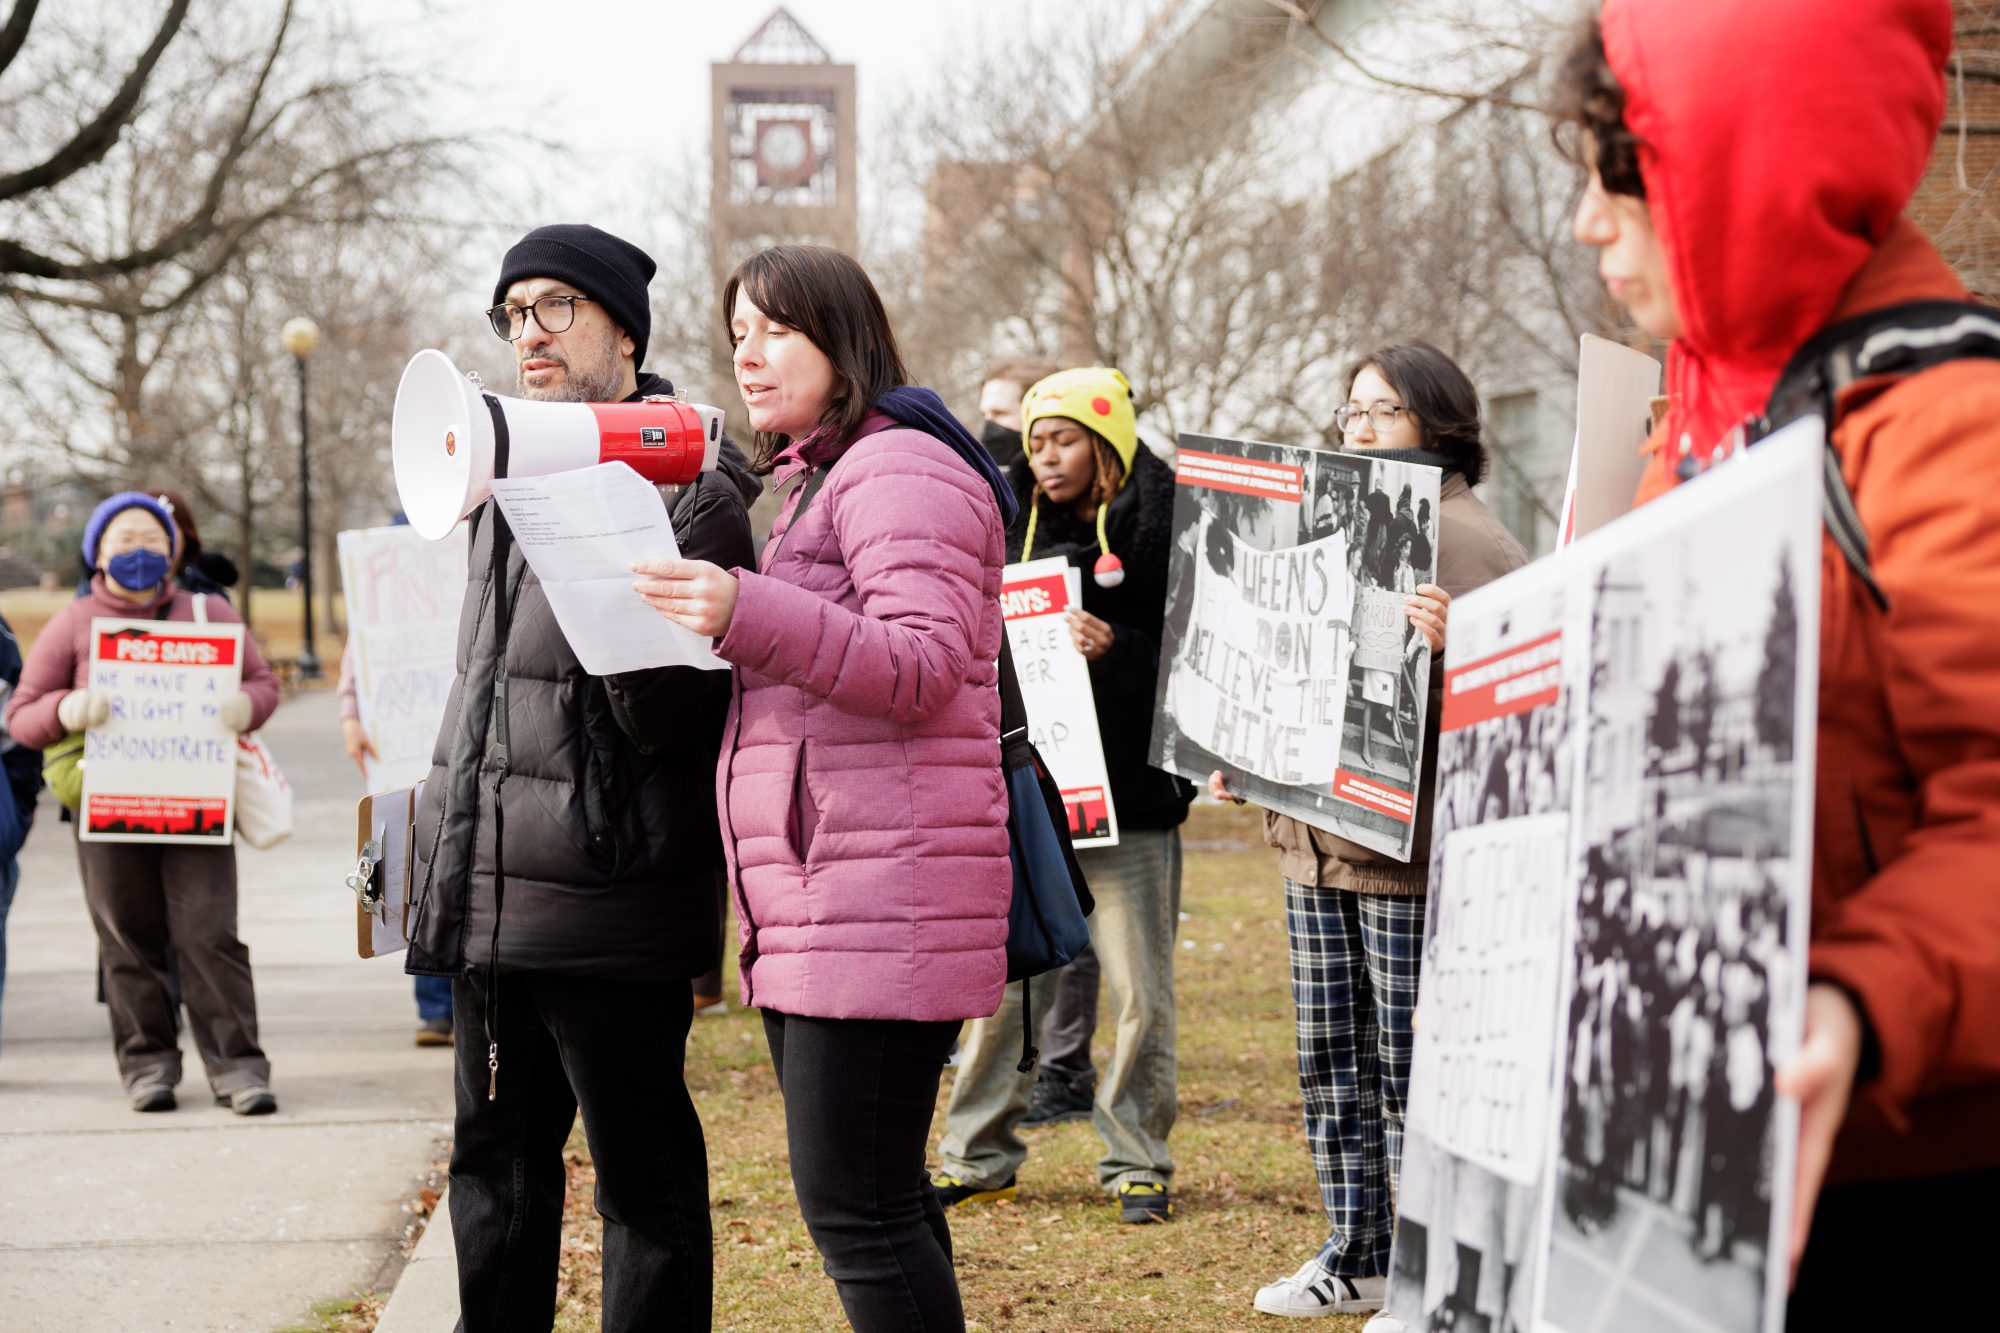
570	966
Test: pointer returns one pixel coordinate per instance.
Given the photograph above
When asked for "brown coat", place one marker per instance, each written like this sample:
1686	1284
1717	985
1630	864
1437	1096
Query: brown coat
1473	550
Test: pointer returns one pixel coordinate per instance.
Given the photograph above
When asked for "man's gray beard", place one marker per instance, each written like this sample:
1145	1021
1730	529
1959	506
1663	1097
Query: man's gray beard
579	385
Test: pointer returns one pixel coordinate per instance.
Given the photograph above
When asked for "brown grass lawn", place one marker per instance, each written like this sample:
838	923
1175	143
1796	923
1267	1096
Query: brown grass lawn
1058	1259
275	617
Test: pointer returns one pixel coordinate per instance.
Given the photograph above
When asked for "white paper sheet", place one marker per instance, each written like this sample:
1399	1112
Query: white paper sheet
580	532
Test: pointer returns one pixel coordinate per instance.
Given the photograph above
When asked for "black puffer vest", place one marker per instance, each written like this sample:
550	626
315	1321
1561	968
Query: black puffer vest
612	849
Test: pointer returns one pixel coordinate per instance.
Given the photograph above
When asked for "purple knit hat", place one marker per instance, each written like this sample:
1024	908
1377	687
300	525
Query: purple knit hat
100	519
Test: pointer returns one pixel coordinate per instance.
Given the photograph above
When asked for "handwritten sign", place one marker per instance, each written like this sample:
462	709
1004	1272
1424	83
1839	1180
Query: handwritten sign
1261	679
1055	688
403	597
163	768
1480	1082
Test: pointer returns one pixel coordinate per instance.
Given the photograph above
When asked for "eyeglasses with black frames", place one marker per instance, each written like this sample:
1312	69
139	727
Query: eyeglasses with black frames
554	313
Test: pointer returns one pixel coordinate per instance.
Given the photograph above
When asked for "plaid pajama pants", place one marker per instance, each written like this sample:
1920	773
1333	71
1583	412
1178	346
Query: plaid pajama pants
1354	979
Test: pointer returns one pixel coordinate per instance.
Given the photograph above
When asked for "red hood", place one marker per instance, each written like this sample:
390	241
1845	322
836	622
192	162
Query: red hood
1780	141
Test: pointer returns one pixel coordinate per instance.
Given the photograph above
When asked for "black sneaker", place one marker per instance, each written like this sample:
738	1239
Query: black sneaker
152	1097
951	1191
1142	1201
1054	1101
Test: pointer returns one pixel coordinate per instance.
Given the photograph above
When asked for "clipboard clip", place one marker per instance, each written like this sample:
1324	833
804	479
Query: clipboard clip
367	889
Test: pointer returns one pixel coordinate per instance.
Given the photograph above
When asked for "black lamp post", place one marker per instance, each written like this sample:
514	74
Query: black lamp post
300	337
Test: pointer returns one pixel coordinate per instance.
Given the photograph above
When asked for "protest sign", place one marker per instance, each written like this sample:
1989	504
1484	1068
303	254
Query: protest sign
403	597
163	768
1616	943
1055	689
1287	659
1615	387
1489	985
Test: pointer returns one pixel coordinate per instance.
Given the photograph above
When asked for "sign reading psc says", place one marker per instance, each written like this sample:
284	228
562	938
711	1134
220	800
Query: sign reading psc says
163	768
1055	688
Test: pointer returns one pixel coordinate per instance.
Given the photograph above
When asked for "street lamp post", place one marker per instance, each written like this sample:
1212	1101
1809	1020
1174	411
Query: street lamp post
300	337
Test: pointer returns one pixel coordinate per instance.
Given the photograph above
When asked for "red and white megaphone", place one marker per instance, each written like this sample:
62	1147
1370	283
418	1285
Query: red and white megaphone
441	440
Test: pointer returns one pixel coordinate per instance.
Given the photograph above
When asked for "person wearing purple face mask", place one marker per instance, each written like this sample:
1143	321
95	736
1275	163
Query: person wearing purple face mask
143	894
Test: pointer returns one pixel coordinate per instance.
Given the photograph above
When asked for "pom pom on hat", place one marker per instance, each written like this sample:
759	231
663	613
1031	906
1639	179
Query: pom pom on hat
1109	571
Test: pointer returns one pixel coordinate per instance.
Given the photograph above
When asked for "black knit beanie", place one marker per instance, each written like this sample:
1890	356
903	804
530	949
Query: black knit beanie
609	271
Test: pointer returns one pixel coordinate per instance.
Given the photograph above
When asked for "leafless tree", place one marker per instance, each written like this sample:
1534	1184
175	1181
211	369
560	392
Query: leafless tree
178	203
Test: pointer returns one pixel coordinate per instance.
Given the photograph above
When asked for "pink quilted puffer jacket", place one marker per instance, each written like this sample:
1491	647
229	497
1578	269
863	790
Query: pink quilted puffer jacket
864	817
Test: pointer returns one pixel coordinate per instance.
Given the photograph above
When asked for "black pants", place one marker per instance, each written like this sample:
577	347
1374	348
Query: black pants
859	1094
1070	1024
614	1050
1859	1234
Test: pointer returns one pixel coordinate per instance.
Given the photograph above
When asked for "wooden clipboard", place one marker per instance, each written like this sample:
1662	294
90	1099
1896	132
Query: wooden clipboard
384	874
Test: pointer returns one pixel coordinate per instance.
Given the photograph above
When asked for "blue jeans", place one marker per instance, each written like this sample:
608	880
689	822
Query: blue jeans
433	998
10	878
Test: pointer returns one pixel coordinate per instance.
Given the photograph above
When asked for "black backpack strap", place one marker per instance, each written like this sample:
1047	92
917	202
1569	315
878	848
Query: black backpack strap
1898	340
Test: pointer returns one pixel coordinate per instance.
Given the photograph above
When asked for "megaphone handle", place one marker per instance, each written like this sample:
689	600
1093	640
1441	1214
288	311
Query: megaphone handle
502	623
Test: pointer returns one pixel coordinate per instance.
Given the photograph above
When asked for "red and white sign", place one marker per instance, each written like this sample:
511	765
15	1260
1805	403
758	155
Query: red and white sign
1243	476
1055	688
1516	680
163	768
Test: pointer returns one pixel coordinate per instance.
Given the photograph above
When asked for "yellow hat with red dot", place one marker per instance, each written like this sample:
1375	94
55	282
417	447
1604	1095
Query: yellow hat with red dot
1100	399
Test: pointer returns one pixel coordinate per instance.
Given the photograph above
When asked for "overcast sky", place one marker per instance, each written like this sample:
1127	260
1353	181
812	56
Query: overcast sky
624	80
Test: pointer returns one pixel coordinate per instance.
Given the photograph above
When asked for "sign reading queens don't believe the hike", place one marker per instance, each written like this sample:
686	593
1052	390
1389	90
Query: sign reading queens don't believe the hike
1287	660
163	768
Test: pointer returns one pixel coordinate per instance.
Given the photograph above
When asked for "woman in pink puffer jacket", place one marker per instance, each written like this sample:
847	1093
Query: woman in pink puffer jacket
863	811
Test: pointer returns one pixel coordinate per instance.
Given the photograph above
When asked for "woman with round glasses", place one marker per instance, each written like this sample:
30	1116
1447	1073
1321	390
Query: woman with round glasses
1355	918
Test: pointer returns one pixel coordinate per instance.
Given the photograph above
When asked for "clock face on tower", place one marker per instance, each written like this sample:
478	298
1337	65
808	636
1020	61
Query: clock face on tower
784	153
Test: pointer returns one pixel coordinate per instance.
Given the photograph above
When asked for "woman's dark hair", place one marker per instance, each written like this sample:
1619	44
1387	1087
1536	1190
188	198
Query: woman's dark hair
1438	395
828	297
1587	114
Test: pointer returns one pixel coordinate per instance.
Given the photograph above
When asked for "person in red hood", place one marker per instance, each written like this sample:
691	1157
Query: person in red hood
1749	168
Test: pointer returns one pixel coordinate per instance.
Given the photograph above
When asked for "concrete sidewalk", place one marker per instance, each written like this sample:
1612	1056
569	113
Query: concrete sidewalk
198	1219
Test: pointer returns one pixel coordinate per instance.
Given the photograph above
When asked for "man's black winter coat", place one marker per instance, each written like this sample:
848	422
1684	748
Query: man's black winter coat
612	849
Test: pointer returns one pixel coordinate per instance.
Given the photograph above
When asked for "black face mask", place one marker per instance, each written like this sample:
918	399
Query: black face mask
1003	442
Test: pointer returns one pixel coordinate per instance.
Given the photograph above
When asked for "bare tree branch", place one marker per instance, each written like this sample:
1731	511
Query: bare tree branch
16	31
94	140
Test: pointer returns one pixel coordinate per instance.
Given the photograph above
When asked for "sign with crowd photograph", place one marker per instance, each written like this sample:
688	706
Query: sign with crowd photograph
1614	964
1055	690
403	597
1482	1077
1287	660
163	767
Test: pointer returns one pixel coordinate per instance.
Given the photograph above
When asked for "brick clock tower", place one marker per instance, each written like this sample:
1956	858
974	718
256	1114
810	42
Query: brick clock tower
781	145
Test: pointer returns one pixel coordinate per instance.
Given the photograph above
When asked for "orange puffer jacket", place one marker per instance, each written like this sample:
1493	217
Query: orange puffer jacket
1906	856
1771	236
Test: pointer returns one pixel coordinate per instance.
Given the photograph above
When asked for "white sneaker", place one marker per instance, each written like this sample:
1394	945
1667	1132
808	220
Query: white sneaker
1385	1323
1310	1293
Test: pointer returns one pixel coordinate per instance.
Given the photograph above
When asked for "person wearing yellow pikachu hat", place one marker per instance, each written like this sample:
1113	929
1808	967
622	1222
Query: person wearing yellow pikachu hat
1091	494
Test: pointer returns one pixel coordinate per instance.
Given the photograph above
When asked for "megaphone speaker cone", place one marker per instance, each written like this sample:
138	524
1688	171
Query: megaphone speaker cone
435	442
442	440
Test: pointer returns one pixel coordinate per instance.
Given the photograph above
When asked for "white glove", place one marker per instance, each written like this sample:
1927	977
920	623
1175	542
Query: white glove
236	713
81	710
